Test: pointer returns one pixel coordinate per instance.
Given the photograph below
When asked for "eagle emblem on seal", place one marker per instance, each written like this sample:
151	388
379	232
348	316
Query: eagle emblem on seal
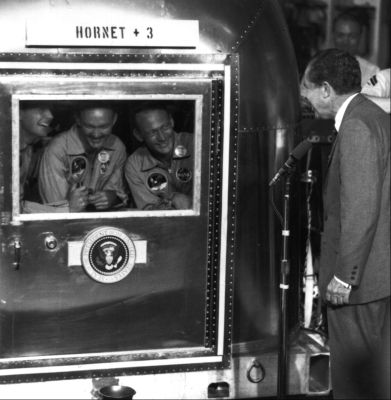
108	257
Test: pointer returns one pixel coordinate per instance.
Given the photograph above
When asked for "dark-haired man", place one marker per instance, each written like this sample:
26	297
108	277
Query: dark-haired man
84	165
35	126
354	276
160	172
347	33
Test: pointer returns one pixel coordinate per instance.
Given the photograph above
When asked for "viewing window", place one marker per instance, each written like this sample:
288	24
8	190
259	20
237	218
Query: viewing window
143	150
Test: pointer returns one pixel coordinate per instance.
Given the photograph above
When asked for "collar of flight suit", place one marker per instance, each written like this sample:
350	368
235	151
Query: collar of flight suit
23	145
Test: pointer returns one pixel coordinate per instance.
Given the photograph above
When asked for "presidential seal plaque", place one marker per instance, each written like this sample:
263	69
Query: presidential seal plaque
108	255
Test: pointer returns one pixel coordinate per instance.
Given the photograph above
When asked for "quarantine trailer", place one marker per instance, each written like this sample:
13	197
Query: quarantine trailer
188	304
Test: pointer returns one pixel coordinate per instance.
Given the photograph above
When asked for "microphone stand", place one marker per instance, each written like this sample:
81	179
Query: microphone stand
284	286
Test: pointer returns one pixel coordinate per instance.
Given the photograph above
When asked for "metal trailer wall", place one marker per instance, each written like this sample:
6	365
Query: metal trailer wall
267	114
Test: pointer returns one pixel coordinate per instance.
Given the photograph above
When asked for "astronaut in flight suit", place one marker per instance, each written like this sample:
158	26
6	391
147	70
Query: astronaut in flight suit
84	165
35	125
160	172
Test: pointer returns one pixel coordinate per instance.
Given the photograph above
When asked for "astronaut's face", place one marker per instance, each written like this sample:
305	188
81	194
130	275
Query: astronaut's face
96	125
35	122
156	129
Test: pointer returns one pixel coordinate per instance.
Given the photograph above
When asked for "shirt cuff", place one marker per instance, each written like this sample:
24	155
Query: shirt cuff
344	284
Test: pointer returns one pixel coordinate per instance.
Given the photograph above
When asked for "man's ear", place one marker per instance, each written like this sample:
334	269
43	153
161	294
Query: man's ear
327	90
138	135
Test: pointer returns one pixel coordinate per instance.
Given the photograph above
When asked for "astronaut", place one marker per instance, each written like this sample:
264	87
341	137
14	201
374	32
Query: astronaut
84	165
35	126
160	172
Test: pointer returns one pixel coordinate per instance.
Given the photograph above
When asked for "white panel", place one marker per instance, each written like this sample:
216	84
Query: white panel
87	31
74	252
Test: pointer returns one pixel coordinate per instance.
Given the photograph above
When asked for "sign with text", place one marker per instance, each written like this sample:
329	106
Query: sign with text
70	32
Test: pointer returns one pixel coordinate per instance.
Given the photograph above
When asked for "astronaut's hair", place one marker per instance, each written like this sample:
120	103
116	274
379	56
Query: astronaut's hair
84	105
150	106
29	104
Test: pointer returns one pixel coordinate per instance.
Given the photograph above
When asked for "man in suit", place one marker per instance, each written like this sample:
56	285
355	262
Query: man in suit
354	276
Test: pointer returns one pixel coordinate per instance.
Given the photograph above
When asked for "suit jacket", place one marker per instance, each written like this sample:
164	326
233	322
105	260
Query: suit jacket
356	237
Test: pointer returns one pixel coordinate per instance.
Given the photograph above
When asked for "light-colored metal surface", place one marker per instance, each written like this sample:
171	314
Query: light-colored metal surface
80	313
250	36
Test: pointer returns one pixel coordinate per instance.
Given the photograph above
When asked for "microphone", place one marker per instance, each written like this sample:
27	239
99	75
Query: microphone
297	153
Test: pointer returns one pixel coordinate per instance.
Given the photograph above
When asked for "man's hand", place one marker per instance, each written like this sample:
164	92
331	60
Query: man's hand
181	202
337	294
77	198
178	201
103	200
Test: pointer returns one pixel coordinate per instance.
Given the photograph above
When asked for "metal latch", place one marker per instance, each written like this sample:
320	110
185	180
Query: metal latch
17	253
256	372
